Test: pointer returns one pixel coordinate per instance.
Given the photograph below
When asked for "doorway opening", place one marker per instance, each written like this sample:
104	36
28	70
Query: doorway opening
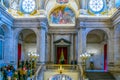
62	50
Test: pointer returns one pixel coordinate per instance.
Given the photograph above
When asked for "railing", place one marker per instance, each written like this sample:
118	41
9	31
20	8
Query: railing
37	72
58	68
81	72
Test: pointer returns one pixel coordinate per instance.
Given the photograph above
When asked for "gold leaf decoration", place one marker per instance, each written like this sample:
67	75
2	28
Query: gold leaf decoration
34	12
20	13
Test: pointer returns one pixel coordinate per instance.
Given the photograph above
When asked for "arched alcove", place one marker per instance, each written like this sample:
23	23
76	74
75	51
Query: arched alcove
26	44
97	42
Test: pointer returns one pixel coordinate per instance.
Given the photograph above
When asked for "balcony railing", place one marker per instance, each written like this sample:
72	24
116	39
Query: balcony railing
59	69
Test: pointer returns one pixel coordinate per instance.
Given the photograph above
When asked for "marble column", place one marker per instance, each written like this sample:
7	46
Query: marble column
83	4
48	56
38	4
41	42
81	43
117	47
14	47
74	46
71	49
110	47
52	48
7	54
42	4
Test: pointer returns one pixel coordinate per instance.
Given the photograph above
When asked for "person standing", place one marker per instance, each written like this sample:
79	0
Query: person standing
9	74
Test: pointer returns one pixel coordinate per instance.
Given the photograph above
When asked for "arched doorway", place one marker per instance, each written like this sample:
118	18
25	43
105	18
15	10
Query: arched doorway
62	48
26	45
97	41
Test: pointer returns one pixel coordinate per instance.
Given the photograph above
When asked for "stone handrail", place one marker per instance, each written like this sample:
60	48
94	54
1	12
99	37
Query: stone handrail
37	72
81	72
66	68
59	68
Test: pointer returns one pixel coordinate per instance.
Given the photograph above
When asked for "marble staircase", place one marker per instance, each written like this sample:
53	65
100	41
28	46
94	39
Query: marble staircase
100	76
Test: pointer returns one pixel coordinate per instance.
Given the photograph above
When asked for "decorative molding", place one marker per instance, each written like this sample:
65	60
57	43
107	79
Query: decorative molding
62	42
94	22
30	22
116	17
5	17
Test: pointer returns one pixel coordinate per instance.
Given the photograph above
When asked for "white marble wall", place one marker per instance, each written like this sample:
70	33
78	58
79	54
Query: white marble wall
98	58
117	45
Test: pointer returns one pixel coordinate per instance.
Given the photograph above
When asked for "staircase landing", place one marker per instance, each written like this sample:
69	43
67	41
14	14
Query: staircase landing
100	76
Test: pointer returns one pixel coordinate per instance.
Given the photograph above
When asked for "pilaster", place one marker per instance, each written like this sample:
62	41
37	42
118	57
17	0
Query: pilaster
111	47
41	42
71	49
14	47
52	48
81	43
83	4
116	40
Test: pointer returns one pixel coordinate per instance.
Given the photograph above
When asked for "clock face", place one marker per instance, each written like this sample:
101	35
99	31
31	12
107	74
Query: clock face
96	5
28	5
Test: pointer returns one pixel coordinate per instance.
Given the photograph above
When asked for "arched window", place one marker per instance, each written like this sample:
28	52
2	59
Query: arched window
1	43
96	6
28	6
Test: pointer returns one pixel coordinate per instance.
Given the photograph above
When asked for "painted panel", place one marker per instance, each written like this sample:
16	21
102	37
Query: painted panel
62	15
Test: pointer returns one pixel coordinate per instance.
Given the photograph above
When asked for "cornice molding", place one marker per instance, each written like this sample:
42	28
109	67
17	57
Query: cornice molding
94	18
39	23
94	22
5	16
